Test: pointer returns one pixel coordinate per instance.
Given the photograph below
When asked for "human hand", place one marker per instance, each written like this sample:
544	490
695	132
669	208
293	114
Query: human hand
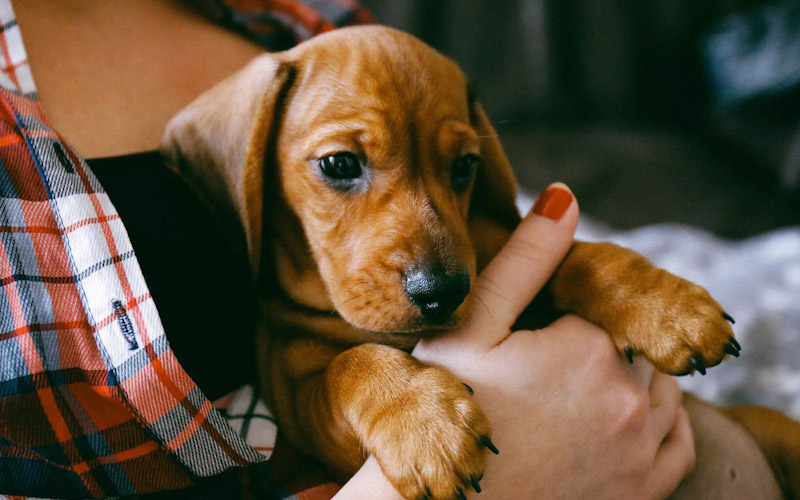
570	418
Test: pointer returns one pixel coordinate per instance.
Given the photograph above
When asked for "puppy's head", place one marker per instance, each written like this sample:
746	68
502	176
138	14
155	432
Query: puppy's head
384	185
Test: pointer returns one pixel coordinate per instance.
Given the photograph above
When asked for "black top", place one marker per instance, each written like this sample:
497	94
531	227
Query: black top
202	287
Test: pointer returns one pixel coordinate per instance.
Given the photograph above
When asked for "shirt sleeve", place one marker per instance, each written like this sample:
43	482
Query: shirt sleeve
93	402
281	24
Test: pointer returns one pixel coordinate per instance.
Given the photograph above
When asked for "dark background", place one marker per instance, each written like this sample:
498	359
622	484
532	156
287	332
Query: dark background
651	110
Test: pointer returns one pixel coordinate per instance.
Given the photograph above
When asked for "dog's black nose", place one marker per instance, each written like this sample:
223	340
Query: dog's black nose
435	292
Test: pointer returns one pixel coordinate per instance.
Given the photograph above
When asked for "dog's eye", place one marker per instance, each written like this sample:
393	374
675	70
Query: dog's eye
340	166
463	170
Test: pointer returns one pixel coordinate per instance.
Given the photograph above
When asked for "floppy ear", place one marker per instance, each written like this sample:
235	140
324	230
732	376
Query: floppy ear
219	144
493	213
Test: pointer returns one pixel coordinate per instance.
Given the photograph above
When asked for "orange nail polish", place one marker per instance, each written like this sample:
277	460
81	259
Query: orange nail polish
553	203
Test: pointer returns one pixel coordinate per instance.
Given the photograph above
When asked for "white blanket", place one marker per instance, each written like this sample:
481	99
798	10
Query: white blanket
756	280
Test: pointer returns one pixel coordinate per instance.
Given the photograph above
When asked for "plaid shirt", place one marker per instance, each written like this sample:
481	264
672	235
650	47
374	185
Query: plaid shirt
93	402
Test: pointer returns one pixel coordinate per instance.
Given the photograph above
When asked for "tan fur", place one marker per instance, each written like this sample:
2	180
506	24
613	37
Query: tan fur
666	318
337	329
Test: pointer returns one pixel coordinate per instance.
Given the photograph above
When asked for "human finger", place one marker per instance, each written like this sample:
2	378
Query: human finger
675	458
522	267
665	401
642	371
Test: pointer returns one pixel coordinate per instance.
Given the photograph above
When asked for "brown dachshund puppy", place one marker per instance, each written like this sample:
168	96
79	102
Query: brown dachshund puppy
371	189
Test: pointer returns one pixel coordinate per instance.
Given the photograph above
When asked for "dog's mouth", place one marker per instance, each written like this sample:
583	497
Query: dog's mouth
428	330
428	302
418	326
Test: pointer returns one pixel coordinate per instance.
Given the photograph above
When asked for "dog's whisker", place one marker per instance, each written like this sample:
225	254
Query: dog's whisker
380	304
363	282
482	286
351	298
489	311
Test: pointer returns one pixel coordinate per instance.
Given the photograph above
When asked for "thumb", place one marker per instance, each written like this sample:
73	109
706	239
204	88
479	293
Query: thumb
519	271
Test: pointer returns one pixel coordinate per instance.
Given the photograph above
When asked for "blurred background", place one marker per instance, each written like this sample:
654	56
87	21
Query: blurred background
677	125
651	110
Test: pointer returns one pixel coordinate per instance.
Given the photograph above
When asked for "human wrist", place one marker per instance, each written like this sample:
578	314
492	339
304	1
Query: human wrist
369	483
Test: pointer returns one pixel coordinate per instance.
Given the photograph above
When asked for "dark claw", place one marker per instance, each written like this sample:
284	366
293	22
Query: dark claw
475	484
489	444
697	364
728	317
629	354
469	389
731	349
460	494
735	344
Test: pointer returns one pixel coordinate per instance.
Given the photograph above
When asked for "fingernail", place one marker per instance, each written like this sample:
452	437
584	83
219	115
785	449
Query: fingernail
553	202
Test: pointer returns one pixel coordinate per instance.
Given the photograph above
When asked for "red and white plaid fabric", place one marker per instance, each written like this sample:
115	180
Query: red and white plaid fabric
93	402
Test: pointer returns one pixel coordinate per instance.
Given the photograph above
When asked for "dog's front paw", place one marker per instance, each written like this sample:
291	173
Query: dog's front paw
672	322
431	441
675	324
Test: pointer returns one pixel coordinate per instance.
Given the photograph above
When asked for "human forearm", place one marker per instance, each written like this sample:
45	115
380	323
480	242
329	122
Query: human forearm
369	483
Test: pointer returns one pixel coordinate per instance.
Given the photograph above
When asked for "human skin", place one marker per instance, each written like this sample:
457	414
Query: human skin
111	73
570	418
89	92
561	402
